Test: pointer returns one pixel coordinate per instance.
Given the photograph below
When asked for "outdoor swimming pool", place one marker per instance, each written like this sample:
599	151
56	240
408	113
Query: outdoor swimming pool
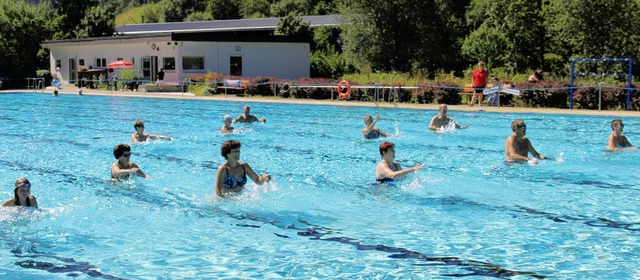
465	214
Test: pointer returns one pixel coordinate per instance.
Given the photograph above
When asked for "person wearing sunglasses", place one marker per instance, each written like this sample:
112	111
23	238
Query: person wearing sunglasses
124	168
22	195
141	136
518	145
617	140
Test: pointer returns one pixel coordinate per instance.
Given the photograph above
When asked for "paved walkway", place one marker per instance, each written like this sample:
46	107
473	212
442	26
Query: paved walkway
71	89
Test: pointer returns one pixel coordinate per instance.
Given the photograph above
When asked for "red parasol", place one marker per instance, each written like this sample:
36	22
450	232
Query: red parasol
120	64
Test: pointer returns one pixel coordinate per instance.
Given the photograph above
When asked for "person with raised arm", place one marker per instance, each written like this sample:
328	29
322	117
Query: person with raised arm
388	170
370	131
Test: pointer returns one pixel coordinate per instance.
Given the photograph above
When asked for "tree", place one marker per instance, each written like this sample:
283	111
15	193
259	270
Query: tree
292	25
505	32
69	15
604	28
400	35
224	9
18	20
97	22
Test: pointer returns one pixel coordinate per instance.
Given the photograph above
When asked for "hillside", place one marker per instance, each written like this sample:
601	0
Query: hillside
134	15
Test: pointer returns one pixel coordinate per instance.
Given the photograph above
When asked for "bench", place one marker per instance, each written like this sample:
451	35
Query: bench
468	89
235	85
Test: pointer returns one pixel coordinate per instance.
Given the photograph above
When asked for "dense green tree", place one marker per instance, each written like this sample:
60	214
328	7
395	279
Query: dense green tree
505	32
69	15
400	35
224	9
594	29
293	25
255	9
22	28
97	22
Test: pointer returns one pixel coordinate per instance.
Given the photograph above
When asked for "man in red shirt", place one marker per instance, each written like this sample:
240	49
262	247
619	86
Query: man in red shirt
479	82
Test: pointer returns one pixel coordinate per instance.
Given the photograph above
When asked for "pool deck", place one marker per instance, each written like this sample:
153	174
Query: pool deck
70	89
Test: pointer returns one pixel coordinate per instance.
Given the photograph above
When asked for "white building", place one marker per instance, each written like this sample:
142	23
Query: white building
245	47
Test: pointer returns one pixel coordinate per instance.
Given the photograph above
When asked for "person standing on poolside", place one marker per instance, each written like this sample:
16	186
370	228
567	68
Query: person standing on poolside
388	170
370	131
226	127
518	146
124	168
479	82
246	117
141	136
441	119
160	81
232	175
22	195
617	140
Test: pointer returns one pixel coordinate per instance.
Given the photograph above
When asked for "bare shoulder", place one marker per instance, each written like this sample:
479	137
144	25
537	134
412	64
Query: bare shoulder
9	202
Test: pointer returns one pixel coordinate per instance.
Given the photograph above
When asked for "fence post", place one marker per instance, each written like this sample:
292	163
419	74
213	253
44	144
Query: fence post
600	96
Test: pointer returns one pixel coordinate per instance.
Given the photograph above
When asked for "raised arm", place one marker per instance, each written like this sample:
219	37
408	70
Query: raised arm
257	179
368	128
385	171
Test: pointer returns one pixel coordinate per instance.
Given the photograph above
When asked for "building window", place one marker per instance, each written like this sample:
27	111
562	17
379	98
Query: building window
169	63
192	63
58	63
101	63
81	62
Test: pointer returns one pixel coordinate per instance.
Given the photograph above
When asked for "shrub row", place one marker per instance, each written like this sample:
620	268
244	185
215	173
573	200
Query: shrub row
550	94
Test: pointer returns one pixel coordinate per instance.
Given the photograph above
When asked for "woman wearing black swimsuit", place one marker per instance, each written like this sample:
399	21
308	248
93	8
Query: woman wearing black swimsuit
389	170
232	175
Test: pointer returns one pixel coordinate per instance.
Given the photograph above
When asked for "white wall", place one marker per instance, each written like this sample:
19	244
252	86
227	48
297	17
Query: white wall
281	60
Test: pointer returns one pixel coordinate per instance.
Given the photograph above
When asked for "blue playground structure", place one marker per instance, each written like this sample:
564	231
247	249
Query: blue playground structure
596	60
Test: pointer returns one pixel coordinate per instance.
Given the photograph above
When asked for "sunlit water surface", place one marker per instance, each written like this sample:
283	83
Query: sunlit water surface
466	213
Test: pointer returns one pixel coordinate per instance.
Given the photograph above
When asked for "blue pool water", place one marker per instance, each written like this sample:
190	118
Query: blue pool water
465	214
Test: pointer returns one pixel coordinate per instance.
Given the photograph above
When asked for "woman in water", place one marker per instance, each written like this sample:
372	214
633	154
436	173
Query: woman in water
22	195
232	175
389	170
226	127
370	131
124	168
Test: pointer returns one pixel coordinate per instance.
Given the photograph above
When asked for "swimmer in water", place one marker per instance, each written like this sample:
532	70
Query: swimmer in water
22	195
370	131
388	170
232	175
141	136
247	117
123	168
441	120
226	127
617	140
518	146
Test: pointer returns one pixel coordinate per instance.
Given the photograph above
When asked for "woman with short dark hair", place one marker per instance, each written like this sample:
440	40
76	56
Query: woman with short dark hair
232	175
